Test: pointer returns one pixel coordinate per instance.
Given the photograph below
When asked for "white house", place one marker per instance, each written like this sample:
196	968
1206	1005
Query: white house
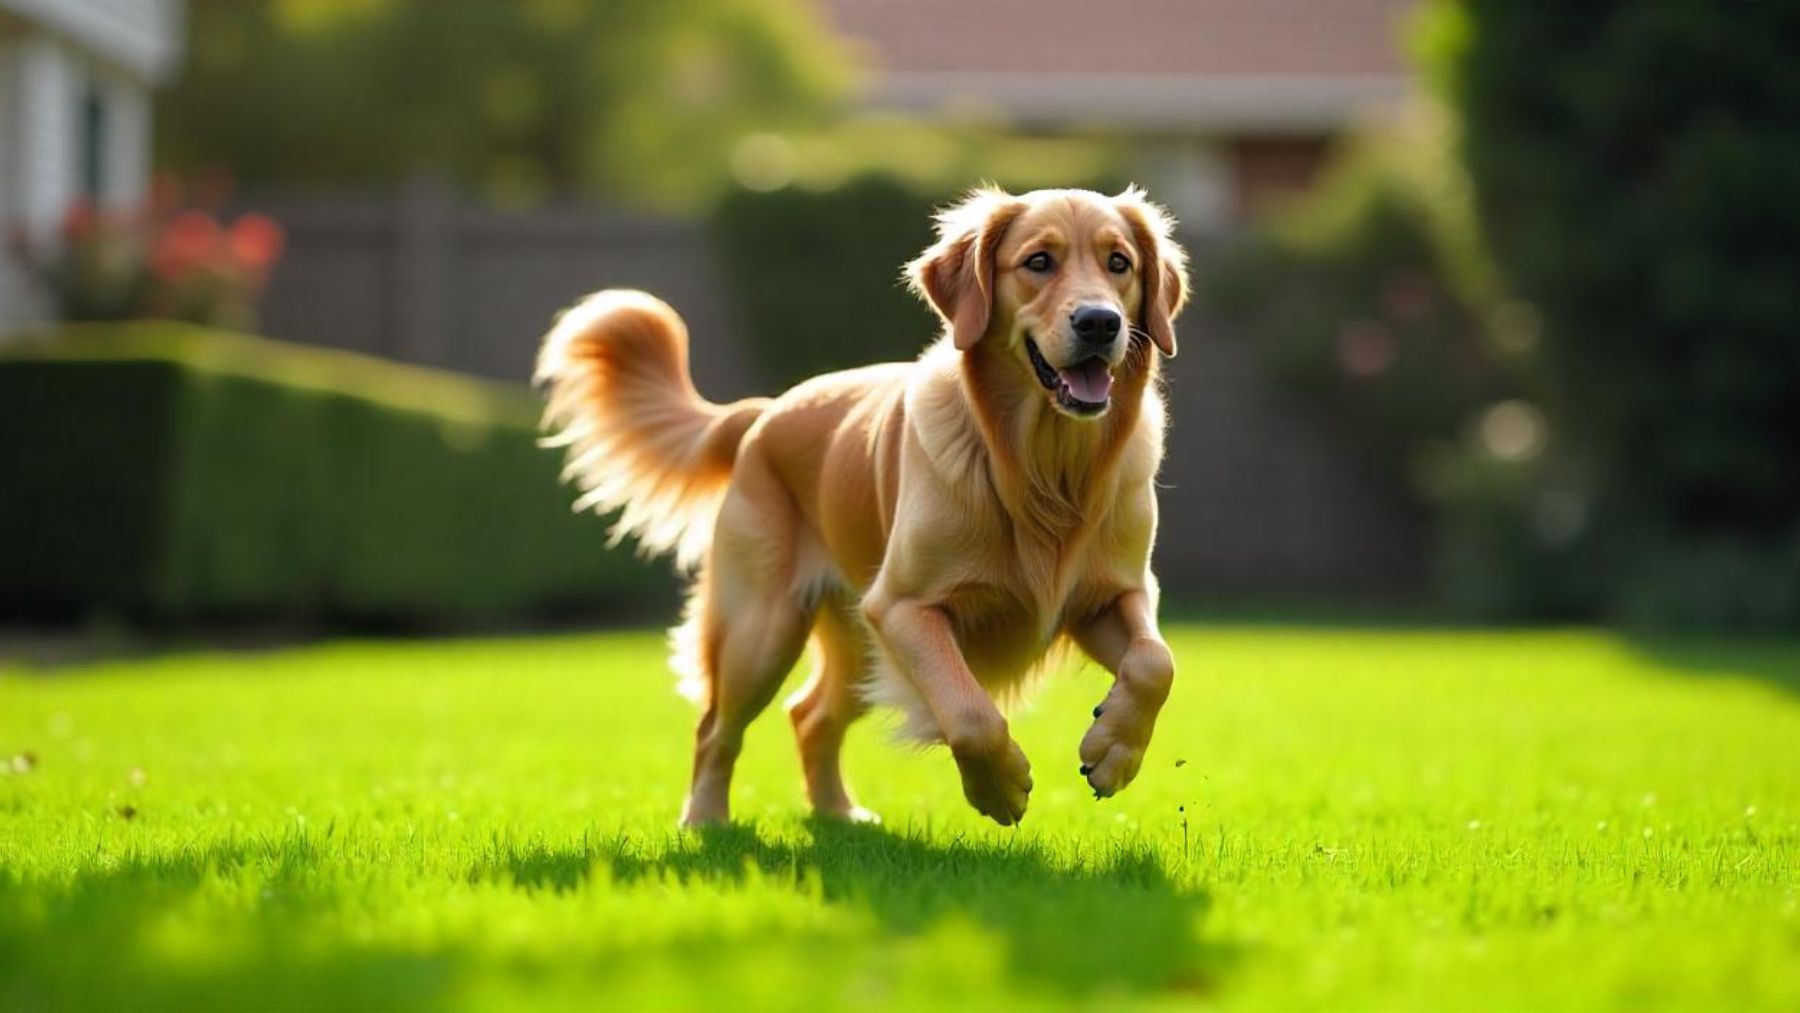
75	82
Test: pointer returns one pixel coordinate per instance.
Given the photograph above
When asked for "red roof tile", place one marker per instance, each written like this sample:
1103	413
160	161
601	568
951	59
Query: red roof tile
1310	38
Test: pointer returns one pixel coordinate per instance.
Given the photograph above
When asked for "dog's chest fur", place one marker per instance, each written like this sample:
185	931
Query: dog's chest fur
1055	520
1007	638
1004	626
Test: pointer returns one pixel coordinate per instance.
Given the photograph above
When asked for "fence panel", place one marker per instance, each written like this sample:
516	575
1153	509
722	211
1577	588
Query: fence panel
1259	497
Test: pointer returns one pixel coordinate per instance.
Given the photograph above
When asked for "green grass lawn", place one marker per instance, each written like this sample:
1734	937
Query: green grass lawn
1328	818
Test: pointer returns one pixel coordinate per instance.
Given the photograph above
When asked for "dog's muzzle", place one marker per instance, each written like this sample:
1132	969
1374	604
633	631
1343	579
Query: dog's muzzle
1084	388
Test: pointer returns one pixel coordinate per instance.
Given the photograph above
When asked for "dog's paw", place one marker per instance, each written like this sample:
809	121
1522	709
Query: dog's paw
699	812
1112	751
996	780
1110	761
847	814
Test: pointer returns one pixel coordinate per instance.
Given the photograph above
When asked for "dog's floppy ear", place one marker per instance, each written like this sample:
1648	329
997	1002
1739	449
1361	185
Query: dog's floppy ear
955	275
1164	270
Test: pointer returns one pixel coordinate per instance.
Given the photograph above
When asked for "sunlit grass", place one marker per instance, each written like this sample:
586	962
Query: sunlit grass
1329	818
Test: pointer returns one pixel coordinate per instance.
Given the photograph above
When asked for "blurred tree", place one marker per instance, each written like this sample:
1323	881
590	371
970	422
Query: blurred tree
1634	167
1570	473
639	99
1373	297
1371	293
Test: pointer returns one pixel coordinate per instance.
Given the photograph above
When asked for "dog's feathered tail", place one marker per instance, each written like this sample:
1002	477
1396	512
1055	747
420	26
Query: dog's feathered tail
640	438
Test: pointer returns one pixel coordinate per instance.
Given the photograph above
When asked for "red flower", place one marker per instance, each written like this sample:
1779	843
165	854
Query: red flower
256	241
189	240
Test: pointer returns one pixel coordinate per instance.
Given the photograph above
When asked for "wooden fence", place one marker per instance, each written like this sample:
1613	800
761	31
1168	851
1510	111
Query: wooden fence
1259	497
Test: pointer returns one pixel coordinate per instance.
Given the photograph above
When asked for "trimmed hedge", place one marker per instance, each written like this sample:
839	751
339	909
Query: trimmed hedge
169	473
1634	183
838	255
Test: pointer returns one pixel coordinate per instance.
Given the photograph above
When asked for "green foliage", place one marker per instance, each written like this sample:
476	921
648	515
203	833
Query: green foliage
815	276
1633	168
1350	296
1587	451
1719	582
640	98
1349	819
176	474
1372	295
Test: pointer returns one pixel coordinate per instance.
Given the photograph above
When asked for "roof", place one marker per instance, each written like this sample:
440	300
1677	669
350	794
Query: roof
1147	63
141	36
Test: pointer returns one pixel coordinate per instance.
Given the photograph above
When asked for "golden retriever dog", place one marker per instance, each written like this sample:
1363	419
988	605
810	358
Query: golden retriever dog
933	527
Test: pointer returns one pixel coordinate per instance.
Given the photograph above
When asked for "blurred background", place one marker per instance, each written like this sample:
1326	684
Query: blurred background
1496	317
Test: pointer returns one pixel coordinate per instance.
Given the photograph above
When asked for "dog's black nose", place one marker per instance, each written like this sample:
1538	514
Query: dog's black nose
1096	325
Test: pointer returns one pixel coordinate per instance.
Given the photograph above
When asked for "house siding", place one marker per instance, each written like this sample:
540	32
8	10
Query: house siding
15	295
38	158
127	141
46	174
141	37
45	80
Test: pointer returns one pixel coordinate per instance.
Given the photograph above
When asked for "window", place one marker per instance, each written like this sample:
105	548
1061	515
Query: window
93	143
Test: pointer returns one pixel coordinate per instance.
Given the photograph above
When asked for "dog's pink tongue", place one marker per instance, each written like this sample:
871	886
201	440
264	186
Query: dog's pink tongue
1088	381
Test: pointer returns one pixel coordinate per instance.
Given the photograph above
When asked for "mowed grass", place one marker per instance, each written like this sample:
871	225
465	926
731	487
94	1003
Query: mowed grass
1329	818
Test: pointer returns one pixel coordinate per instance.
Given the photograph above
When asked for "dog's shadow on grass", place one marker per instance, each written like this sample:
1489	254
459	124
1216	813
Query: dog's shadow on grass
1109	919
92	942
1091	922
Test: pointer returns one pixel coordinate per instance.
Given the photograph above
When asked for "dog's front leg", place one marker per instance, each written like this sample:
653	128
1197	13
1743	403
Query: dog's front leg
996	777
1123	637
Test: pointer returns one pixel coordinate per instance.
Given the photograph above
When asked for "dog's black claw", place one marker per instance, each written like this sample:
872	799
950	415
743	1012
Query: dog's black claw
1097	711
1086	769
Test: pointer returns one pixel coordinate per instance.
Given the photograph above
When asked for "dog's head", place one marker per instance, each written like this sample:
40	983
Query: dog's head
1066	281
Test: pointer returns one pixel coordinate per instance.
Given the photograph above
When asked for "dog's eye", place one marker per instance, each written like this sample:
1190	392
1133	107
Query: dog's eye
1039	262
1118	263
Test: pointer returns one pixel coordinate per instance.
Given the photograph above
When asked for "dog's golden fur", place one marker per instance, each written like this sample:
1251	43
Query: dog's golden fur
933	527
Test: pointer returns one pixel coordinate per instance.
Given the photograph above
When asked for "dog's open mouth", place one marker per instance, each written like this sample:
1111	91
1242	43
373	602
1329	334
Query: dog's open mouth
1084	388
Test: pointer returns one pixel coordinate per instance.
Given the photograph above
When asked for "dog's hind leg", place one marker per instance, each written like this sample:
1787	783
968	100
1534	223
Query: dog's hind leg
824	708
751	630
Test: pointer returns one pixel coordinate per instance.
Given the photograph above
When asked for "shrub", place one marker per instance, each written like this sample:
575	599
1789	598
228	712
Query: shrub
815	276
171	473
1372	295
1350	297
1633	176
